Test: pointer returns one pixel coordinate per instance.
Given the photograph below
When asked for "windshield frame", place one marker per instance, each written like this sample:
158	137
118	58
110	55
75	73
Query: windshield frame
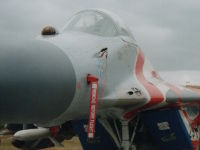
109	16
104	15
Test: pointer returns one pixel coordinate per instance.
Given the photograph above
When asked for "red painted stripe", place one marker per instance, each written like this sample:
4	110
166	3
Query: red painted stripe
155	94
195	144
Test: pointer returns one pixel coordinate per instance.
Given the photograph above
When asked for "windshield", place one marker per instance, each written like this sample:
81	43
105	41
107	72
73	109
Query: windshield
93	23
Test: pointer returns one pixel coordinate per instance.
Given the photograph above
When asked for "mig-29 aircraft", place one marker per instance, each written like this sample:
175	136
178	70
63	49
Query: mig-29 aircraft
92	80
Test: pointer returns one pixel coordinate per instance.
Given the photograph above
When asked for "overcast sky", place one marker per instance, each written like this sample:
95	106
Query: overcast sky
167	30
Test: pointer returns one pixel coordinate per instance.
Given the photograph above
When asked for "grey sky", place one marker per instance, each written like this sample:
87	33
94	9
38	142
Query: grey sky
167	31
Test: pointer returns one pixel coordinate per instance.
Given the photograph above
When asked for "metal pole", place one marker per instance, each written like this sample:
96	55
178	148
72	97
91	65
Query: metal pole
125	135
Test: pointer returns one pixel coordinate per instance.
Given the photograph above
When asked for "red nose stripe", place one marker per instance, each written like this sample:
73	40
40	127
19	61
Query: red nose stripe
155	94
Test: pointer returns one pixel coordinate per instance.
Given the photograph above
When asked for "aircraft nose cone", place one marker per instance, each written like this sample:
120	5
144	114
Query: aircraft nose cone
37	82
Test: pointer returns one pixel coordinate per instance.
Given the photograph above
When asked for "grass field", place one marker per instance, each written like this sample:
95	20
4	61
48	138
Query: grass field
73	144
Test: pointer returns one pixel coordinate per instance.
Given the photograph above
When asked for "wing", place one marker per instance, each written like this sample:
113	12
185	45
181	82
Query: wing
187	94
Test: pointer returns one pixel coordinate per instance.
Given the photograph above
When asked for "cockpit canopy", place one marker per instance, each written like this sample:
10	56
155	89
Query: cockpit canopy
99	23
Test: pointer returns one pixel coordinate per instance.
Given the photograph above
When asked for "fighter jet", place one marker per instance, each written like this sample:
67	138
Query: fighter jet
92	80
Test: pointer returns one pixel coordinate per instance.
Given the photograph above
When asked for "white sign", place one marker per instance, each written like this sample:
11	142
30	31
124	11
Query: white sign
163	126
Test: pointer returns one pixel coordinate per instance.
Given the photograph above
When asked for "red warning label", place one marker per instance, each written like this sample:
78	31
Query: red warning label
93	105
